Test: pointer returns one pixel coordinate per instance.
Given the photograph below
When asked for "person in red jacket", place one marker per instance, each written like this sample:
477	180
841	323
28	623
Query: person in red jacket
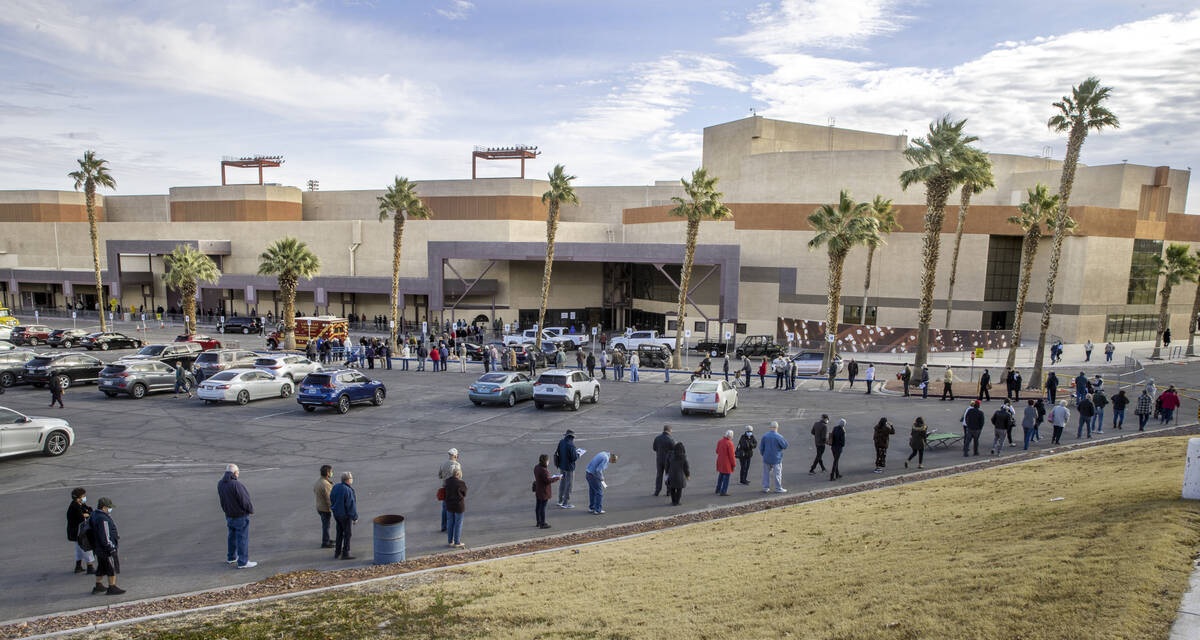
725	463
1170	402
542	489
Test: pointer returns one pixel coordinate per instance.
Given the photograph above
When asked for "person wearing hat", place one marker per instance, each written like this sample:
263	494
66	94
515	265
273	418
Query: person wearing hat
565	458
445	472
77	512
745	451
104	541
820	433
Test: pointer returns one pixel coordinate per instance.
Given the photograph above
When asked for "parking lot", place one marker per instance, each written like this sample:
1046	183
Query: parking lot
159	460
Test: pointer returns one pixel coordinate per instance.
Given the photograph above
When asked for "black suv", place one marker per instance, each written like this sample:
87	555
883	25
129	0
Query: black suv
168	354
110	340
757	346
12	366
69	368
241	325
66	337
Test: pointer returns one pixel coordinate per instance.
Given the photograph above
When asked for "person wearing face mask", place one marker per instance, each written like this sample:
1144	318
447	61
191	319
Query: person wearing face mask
104	541
343	504
77	512
235	502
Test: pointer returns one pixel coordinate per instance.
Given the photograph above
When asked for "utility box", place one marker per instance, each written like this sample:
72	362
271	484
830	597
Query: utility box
1191	471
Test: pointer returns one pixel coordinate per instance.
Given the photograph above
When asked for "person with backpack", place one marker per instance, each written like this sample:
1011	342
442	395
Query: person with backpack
725	463
102	533
744	452
543	488
565	457
77	512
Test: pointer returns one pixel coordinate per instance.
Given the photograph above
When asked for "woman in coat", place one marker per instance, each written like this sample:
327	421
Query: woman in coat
677	472
542	489
883	431
77	512
762	373
916	440
456	507
837	442
1041	417
725	463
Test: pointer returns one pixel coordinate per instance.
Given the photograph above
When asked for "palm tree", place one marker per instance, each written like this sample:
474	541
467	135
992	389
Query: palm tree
1079	113
1177	266
840	228
92	173
940	161
400	201
1195	319
885	220
186	268
703	203
561	192
289	259
1038	207
977	174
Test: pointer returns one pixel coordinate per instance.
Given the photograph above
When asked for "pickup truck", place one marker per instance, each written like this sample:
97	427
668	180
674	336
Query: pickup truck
529	336
638	338
564	334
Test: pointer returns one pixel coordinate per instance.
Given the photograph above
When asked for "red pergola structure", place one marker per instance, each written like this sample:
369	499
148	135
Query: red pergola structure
250	162
520	152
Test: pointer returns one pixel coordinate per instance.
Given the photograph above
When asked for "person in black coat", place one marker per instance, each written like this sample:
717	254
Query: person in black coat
105	541
974	420
1051	387
56	391
746	447
852	372
77	512
663	445
837	442
678	472
985	386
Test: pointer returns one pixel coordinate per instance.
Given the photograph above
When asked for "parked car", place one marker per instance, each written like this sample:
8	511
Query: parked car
30	334
653	356
66	338
240	325
500	388
20	433
711	396
759	346
808	363
5	345
524	352
475	351
184	353
105	341
139	377
211	362
712	348
6	332
204	341
339	389
12	366
565	387
242	386
292	367
69	368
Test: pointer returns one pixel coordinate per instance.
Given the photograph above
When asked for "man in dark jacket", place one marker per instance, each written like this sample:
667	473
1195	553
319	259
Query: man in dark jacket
1081	387
905	378
343	504
235	502
1008	384
924	381
104	541
1086	410
746	447
820	432
985	385
1003	422
663	444
973	420
1051	387
568	454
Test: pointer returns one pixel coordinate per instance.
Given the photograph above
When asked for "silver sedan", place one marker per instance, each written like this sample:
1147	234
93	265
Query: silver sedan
242	386
20	433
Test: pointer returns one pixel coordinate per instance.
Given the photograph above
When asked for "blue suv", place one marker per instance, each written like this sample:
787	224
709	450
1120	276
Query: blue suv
339	389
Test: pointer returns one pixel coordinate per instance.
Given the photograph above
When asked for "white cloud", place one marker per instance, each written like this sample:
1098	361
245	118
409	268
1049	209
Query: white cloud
457	10
825	24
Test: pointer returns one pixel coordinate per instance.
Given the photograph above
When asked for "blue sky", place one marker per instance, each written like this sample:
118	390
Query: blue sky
354	92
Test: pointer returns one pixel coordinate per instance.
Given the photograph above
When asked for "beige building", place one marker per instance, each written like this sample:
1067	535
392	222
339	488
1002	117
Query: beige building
480	257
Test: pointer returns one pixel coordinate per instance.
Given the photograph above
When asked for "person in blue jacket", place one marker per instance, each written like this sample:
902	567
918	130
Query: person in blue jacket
344	507
565	459
771	449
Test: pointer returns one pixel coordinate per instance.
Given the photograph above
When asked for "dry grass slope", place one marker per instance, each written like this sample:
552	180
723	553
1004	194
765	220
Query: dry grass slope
982	555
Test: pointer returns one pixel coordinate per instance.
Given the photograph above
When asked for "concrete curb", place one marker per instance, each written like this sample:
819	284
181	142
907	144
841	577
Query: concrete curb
1187	619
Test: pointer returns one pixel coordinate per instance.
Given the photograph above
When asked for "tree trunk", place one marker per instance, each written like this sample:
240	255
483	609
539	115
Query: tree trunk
936	192
551	231
965	203
867	283
1074	144
397	237
1192	322
287	287
685	278
89	190
1028	253
1164	320
188	291
836	262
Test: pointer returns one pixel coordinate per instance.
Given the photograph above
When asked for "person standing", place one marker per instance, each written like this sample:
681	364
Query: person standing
820	434
832	371
235	502
511	354
369	350
344	505
837	442
1051	387
435	357
870	377
105	541
634	361
1059	415
1099	400
181	380
564	458
916	442
385	352
973	421
883	433
591	365
445	472
662	446
56	391
1002	423
1016	385
780	369
746	366
1109	349
1041	417
771	449
1029	422
1087	351
948	383
543	488
579	360
1170	402
603	361
924	381
1119	402
746	446
77	512
1081	387
725	463
560	358
852	371
791	375
905	377
1087	410
456	507
985	387
762	373
725	366
321	490
678	473
595	479
1008	384
1145	403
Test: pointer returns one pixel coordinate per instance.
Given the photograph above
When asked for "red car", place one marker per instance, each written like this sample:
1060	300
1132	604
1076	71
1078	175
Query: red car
204	341
30	334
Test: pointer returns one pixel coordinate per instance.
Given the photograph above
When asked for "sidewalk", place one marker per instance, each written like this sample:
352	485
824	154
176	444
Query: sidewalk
1187	620
1073	357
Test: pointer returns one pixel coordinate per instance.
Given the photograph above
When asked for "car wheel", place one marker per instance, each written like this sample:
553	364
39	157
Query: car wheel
243	397
66	344
511	400
377	399
7	379
64	382
138	391
682	411
309	408
245	330
575	403
111	394
285	391
596	395
33	342
343	405
724	410
104	346
209	401
56	443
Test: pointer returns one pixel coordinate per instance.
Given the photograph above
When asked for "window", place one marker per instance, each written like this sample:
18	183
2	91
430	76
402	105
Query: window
852	314
740	327
1003	269
672	325
1143	274
1131	327
699	326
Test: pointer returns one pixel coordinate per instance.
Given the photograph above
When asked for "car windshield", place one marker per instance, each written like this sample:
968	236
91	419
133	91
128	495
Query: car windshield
703	387
552	380
493	377
206	358
151	350
8	416
226	375
39	361
316	378
265	362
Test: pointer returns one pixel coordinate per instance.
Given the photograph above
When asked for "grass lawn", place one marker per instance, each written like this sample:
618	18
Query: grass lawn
981	555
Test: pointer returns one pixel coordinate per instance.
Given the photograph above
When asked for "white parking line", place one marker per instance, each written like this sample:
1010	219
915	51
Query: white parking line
271	415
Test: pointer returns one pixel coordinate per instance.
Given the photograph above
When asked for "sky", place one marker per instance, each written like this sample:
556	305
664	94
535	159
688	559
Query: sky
354	92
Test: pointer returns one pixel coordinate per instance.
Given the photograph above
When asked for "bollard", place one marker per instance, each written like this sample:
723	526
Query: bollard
1191	471
389	539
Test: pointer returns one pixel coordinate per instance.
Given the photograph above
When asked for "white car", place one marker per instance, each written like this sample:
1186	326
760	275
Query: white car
20	433
808	363
242	386
565	386
293	367
5	345
5	332
710	396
